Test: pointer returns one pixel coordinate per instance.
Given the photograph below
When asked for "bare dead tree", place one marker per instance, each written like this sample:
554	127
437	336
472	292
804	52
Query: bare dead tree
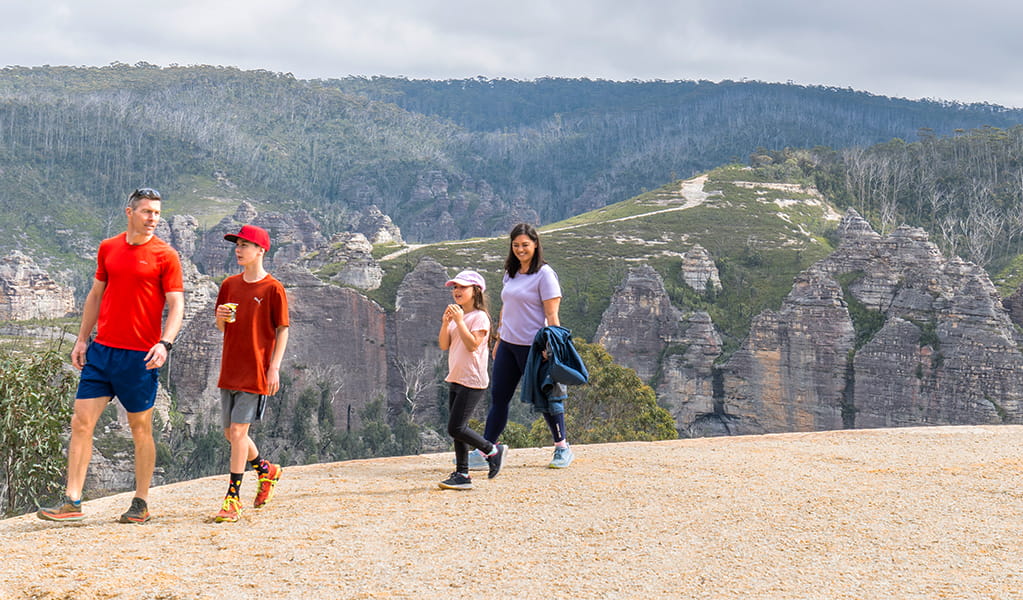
418	377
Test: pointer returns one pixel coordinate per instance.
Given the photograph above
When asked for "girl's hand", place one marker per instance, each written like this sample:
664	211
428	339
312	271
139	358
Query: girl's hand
456	312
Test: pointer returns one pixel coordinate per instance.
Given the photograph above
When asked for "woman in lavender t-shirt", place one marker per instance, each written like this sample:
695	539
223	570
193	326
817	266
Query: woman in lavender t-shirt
530	301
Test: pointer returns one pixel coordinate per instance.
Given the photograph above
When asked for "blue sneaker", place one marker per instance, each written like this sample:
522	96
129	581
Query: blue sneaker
562	457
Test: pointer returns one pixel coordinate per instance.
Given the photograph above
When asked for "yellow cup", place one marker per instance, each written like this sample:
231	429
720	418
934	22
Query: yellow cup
233	307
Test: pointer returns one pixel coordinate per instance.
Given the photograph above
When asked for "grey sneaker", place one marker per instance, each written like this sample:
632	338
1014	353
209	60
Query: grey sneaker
477	462
138	513
562	457
456	481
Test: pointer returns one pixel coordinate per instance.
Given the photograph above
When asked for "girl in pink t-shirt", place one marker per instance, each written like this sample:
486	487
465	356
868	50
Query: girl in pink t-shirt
464	329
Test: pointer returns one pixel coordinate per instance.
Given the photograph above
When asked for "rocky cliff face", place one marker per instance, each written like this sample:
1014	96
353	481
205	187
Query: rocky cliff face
884	332
640	323
377	227
674	352
28	292
790	373
291	235
418	366
947	352
699	271
350	255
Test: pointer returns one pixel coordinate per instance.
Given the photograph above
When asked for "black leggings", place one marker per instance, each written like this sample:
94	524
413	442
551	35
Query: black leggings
462	402
509	364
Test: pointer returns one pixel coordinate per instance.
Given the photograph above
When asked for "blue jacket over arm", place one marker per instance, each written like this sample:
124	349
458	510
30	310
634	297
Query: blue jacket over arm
544	381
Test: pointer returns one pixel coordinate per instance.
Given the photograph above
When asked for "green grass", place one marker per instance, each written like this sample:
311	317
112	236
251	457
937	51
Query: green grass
1009	277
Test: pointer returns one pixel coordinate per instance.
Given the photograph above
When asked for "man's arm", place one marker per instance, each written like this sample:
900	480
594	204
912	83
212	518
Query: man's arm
90	315
157	355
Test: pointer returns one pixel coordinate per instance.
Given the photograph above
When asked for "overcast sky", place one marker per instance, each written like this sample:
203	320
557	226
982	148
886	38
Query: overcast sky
969	51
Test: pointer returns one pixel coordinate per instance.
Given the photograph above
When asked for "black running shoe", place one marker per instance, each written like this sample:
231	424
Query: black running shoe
138	513
497	461
457	481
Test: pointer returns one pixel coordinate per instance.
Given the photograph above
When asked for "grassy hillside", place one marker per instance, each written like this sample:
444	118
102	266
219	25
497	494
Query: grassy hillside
759	234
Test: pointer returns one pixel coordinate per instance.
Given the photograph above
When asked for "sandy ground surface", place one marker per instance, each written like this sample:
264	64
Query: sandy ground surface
900	513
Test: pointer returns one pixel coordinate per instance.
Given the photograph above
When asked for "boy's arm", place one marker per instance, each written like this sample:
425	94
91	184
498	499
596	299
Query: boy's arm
273	372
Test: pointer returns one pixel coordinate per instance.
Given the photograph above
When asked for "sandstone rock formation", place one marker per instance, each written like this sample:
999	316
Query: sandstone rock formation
28	292
946	353
640	322
686	385
885	331
699	271
458	206
377	227
790	373
351	256
416	360
291	236
674	352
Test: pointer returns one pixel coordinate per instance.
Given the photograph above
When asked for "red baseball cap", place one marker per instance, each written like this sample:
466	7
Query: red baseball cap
251	233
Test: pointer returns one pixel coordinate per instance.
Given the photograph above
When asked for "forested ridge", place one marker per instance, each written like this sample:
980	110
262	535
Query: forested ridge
74	140
966	190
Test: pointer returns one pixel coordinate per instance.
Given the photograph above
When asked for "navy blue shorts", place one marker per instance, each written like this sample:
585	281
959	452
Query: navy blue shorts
110	372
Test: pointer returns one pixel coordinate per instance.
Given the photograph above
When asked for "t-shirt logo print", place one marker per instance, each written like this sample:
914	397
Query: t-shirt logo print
259	301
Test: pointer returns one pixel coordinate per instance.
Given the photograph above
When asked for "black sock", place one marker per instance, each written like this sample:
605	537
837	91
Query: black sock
259	464
236	485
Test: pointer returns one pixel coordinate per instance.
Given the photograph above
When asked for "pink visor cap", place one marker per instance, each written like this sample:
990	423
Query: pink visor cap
251	233
468	278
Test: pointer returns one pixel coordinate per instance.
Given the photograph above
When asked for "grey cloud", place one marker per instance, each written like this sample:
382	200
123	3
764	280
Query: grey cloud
911	48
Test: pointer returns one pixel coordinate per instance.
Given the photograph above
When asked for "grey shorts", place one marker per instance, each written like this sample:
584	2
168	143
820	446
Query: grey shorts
240	407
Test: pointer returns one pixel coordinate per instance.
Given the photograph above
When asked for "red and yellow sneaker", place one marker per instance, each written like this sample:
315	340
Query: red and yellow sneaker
267	483
229	511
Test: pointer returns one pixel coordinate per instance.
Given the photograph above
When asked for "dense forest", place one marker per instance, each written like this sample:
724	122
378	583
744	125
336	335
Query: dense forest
471	154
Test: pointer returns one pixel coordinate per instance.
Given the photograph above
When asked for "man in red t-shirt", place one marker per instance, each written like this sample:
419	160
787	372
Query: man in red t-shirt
137	275
252	312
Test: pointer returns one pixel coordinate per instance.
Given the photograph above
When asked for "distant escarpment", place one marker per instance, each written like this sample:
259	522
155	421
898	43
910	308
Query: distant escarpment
28	292
883	332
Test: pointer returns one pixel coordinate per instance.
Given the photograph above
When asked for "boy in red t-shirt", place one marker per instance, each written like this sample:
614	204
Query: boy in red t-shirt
252	312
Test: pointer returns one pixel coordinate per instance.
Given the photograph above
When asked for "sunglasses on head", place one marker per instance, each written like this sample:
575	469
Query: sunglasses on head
147	193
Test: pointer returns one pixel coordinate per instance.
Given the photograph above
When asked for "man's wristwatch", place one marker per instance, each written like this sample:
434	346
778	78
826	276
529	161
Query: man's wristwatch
167	345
